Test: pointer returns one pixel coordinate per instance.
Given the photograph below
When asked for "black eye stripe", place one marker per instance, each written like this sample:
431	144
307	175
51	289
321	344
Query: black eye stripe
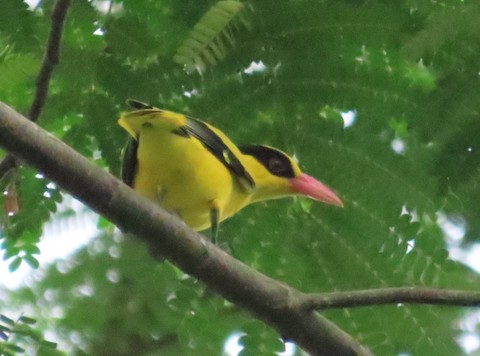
275	161
275	165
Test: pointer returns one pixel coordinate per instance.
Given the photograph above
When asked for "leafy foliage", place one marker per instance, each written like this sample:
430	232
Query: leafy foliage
14	332
408	72
212	36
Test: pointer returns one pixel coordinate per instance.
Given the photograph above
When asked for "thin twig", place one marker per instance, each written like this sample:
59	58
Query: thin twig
50	60
411	295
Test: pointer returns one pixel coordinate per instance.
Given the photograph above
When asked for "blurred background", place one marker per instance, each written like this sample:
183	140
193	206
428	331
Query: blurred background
378	99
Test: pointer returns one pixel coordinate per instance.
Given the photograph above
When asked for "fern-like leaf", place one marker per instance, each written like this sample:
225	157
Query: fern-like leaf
213	35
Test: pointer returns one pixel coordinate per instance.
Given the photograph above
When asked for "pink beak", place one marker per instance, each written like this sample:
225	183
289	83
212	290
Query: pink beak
314	189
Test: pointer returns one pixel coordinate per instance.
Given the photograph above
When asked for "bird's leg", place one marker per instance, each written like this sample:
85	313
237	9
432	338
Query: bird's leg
214	220
161	194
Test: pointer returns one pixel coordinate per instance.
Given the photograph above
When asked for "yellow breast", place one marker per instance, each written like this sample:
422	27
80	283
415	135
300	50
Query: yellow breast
185	178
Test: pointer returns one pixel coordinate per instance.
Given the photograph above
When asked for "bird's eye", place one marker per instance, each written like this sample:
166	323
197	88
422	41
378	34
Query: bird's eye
275	166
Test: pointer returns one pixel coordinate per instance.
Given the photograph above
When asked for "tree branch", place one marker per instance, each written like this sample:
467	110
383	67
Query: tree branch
415	295
271	301
50	60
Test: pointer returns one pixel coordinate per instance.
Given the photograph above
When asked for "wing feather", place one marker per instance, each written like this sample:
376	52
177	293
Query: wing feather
130	162
219	149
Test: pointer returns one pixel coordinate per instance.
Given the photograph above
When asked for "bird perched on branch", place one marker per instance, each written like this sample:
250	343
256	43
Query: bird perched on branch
194	170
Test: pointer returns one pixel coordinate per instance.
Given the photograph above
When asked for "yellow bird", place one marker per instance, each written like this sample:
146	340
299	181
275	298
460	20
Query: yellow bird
194	170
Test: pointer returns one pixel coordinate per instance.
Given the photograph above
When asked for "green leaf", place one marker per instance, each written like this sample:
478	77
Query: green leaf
27	320
6	320
48	344
12	348
4	328
31	249
31	261
13	266
212	36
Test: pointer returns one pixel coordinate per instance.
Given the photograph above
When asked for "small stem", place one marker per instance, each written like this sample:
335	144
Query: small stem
50	60
412	295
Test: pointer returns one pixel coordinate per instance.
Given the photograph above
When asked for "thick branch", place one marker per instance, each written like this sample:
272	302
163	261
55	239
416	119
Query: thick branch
271	301
50	60
416	295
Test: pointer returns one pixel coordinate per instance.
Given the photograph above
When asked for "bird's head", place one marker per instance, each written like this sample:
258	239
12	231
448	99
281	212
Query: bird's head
277	175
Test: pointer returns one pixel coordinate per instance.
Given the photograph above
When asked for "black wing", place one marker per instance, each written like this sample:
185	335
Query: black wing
138	105
219	149
130	162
